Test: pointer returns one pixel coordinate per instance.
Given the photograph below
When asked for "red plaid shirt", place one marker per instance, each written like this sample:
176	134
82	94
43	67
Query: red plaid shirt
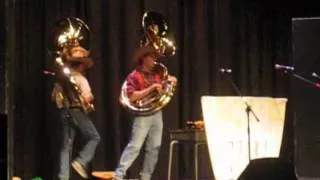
139	80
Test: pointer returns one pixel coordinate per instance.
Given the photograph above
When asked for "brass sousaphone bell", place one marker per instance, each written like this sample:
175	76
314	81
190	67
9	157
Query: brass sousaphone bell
71	32
155	34
156	31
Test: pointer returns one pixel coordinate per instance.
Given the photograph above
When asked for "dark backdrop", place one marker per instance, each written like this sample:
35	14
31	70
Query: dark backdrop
247	36
2	56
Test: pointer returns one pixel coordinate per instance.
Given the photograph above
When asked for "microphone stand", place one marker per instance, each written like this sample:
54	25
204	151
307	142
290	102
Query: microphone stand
248	109
291	69
306	80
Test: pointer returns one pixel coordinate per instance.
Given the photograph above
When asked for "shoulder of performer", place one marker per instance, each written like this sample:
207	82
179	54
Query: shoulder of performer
135	77
79	76
135	82
82	81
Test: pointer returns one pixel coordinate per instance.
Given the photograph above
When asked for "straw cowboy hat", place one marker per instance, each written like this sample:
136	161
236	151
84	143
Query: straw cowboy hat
143	52
79	54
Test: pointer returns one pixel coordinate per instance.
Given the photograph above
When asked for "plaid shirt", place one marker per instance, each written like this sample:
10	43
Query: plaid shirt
139	80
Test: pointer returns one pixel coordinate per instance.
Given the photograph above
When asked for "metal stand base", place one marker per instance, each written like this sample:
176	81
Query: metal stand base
196	147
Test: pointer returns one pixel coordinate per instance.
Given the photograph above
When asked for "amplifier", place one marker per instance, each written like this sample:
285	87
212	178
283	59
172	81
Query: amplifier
188	135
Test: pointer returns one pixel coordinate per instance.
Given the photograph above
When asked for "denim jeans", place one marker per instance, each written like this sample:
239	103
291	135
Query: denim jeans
71	121
144	128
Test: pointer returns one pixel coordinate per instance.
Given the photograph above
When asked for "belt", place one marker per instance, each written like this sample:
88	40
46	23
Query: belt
75	108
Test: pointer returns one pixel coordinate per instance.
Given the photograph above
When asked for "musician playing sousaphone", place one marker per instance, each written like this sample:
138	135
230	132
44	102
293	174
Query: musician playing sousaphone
72	95
145	80
141	82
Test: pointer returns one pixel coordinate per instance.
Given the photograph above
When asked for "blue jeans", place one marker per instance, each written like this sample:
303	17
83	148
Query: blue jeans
147	128
71	121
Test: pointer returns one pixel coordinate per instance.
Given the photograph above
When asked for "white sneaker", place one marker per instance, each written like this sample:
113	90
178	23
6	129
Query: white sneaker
80	169
115	177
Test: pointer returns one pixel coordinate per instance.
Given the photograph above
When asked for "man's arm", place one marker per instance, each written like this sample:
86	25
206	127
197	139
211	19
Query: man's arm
136	95
84	86
135	90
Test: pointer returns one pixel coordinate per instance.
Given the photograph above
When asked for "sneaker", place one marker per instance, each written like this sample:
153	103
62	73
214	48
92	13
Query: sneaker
81	170
115	177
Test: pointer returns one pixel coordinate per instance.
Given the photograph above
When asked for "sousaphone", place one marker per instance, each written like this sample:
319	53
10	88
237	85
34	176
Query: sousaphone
69	33
155	34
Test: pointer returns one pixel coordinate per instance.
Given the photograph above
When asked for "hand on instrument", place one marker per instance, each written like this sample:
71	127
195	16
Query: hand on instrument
172	79
157	87
88	99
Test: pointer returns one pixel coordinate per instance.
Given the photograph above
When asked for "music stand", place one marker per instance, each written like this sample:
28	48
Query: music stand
248	109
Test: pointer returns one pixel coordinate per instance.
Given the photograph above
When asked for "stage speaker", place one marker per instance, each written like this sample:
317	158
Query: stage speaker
268	169
306	96
3	146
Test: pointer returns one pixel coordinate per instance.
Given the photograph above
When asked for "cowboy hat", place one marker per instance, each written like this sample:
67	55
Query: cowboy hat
143	52
79	54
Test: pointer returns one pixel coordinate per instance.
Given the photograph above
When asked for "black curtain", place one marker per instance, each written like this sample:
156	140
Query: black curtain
2	57
247	36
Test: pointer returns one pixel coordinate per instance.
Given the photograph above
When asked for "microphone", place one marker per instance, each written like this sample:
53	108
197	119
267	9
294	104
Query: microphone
225	70
46	72
315	75
283	67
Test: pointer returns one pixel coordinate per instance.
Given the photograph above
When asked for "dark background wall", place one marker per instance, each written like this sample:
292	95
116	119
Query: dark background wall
2	56
247	36
3	117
